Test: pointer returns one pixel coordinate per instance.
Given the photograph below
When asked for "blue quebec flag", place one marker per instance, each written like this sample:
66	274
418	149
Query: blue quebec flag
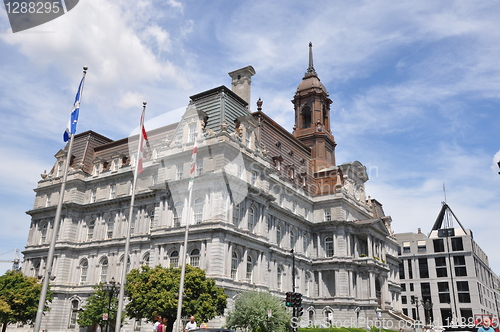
73	119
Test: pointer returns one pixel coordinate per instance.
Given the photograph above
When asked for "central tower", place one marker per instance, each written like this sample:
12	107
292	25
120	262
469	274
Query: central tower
312	118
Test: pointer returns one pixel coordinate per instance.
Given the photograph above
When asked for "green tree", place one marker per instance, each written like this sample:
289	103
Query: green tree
154	291
98	304
19	296
251	312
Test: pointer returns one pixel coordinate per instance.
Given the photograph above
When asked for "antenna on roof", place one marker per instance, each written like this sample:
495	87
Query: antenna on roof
444	191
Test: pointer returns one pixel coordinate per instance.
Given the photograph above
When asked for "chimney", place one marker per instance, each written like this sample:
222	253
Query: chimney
241	80
419	231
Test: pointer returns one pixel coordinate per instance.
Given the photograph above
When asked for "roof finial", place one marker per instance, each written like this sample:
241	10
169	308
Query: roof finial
310	69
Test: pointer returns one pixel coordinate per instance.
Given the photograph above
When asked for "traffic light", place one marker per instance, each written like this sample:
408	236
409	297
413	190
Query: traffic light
298	299
294	299
300	311
288	300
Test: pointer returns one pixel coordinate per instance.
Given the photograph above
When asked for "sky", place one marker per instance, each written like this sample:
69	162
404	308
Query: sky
415	87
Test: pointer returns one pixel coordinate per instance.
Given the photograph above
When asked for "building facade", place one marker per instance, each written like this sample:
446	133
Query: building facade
445	276
259	192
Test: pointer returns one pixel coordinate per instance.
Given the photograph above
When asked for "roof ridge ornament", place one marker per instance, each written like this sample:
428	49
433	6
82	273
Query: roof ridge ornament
310	69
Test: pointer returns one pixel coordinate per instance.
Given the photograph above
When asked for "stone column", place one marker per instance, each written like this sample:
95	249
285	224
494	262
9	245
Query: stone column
369	243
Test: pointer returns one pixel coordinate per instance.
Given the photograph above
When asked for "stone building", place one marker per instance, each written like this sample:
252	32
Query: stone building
259	192
445	276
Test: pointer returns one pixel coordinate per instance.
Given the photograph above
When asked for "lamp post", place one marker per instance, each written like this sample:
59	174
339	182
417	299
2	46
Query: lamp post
379	315
110	288
428	307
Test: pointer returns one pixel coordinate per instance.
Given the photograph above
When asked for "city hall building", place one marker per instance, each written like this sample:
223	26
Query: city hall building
259	192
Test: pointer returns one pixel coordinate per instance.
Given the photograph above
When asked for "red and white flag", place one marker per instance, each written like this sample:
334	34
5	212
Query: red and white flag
143	139
192	170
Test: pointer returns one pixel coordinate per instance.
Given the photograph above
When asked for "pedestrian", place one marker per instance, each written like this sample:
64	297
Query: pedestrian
486	325
191	325
158	321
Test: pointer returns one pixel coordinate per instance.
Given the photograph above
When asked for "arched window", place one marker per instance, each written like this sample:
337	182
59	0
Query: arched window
249	268
104	269
234	265
236	214
306	115
128	263
178	213
251	219
279	277
90	229
174	259
198	210
329	246
84	267
194	258
278	234
74	311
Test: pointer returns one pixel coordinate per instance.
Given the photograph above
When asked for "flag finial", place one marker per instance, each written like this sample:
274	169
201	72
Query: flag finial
85	68
144	103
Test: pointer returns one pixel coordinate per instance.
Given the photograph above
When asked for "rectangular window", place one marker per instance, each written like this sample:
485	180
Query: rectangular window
411	287
199	167
410	269
403	287
423	268
406	248
463	291
438	245
328	215
179	171
457	244
192	132
421	246
441	271
112	191
444	292
460	268
93	195
401	270
248	139
404	300
425	288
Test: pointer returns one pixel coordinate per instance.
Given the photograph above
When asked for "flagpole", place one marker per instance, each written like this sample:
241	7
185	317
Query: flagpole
186	233
130	216
50	257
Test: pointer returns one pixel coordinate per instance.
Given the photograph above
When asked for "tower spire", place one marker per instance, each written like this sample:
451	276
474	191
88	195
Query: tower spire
310	69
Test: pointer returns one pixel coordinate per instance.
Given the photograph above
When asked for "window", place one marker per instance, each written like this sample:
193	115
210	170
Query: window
180	171
192	132
457	244
198	210
90	229
236	215
234	265
174	259
112	191
194	258
438	245
441	271
104	270
421	246
239	171
47	201
251	219
84	267
410	269
74	312
305	243
411	287
403	287
279	276
404	300
402	270
248	140
463	291
328	214
111	226
423	268
291	173
114	165
97	169
199	167
460	268
444	292
249	268
93	195
425	288
178	213
278	234
406	247
292	239
329	246
59	169
254	178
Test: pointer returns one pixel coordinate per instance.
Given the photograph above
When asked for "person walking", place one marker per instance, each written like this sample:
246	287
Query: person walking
191	325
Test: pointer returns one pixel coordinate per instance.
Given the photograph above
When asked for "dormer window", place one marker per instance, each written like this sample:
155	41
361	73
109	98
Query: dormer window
114	165
192	132
248	139
97	169
291	173
59	168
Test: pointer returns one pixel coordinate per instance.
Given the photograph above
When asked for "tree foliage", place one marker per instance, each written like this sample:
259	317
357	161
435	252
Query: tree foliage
155	291
19	297
251	312
97	304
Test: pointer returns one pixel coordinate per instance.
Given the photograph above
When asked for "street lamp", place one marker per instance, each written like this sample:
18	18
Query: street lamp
416	303
379	315
428	307
111	288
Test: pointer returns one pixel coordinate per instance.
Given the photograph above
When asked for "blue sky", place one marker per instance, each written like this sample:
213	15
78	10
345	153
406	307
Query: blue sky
415	88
